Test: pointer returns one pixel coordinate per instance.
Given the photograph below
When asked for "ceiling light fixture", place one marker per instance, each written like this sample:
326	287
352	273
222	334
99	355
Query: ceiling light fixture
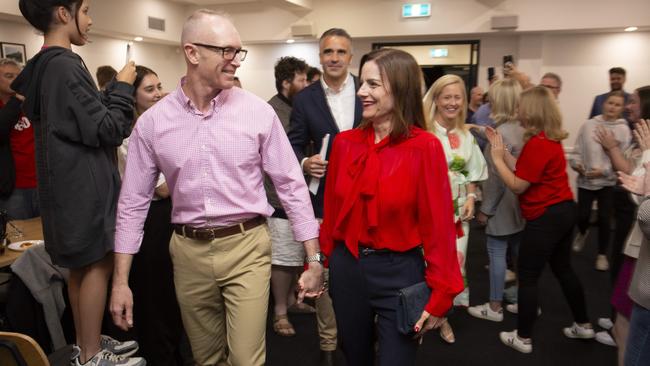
631	29
290	41
138	39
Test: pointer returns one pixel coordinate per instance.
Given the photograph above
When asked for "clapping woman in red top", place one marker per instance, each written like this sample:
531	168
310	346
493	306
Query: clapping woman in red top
540	179
388	219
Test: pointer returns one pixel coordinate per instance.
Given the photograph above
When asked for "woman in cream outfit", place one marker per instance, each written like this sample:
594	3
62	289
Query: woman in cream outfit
446	104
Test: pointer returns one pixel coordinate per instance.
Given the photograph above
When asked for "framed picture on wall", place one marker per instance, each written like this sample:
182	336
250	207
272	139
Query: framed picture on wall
14	51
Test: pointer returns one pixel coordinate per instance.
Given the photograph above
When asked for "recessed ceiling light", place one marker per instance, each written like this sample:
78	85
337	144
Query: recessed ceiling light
138	39
631	29
290	41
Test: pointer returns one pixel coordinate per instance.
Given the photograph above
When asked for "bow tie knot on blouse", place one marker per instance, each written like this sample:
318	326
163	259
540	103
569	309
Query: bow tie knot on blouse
361	202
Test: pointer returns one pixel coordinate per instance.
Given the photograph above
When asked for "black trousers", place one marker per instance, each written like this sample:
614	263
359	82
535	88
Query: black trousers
625	213
548	239
157	319
586	198
367	288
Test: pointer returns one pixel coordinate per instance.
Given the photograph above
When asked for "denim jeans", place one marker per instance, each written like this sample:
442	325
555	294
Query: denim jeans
496	248
637	351
21	204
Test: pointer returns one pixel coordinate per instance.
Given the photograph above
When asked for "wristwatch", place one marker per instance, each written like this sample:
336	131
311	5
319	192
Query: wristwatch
318	257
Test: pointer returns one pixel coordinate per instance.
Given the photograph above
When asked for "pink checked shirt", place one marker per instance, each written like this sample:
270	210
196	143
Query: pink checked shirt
214	166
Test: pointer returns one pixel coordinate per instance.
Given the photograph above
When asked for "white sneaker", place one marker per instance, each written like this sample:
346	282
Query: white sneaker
579	241
602	264
605	323
514	308
124	349
605	338
511	339
485	312
510	276
106	358
579	332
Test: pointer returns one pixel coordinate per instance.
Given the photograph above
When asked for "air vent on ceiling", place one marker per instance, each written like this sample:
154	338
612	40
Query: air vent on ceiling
157	24
302	30
505	22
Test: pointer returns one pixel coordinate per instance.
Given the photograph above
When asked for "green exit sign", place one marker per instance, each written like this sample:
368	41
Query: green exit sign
416	10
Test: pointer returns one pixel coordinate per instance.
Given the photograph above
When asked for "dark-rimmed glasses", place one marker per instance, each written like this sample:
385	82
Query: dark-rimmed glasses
228	53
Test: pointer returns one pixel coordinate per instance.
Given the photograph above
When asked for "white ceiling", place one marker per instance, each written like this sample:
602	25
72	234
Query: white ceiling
211	2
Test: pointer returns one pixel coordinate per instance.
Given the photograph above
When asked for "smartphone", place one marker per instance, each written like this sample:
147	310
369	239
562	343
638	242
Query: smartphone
508	58
490	73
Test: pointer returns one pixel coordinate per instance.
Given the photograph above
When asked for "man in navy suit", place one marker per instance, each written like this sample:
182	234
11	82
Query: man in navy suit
328	106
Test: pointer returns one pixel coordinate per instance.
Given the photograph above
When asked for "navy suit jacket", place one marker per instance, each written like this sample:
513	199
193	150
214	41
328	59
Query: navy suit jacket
311	119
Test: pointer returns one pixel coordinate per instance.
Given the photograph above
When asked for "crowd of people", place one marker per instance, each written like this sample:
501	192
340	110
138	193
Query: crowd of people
186	212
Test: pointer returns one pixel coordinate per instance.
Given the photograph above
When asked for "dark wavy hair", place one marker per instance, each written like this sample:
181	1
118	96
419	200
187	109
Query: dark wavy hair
286	69
402	76
39	12
140	73
644	101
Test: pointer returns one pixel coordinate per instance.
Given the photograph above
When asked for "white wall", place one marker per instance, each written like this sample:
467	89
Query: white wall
381	18
582	60
165	60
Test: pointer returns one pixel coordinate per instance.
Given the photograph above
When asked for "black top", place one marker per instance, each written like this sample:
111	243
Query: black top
76	132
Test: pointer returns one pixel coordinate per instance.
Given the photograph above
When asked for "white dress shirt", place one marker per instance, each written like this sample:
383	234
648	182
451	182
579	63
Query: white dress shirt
341	102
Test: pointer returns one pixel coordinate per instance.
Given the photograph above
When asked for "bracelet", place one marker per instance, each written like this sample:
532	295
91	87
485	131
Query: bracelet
472	195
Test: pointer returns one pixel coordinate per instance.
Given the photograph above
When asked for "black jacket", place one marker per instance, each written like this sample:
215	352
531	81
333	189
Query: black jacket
311	120
8	117
76	132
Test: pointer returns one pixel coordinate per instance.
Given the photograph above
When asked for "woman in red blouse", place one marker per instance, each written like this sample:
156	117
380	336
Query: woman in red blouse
388	218
540	179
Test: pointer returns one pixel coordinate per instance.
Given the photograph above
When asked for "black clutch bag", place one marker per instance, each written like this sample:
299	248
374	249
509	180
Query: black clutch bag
412	300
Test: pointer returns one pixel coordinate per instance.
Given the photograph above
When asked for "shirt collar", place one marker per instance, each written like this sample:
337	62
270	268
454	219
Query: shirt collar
185	101
333	91
440	129
284	99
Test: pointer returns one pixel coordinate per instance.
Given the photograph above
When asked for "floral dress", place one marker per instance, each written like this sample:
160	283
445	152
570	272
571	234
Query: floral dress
466	165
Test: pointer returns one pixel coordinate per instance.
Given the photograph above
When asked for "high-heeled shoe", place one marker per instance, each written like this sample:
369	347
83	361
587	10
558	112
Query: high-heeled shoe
446	333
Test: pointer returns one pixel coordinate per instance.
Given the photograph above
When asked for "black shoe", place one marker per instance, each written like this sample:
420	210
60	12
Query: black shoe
327	358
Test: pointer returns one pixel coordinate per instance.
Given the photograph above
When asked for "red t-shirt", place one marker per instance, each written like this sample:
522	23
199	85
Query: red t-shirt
394	196
542	164
21	139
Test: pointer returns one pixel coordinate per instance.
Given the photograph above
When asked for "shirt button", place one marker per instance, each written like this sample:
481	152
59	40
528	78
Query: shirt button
204	147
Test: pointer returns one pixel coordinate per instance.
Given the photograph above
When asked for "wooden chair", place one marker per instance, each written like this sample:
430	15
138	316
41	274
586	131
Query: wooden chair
19	349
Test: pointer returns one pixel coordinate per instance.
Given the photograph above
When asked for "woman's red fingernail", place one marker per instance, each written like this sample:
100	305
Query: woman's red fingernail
417	329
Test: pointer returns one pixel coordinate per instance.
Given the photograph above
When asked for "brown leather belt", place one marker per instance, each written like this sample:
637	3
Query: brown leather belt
207	233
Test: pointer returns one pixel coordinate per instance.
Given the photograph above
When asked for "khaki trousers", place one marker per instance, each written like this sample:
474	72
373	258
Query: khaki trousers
222	288
326	320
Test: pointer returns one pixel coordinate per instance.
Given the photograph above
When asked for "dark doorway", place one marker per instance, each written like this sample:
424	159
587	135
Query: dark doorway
465	65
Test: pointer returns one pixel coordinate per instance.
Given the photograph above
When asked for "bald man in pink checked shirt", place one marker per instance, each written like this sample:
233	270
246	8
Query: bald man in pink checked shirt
213	143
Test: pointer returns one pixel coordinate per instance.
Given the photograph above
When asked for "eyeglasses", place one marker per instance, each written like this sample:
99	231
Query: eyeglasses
228	53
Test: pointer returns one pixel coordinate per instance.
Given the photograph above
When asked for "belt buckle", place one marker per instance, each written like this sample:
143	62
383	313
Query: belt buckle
366	251
212	235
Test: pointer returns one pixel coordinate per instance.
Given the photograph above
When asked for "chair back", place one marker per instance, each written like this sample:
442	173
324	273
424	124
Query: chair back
21	350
